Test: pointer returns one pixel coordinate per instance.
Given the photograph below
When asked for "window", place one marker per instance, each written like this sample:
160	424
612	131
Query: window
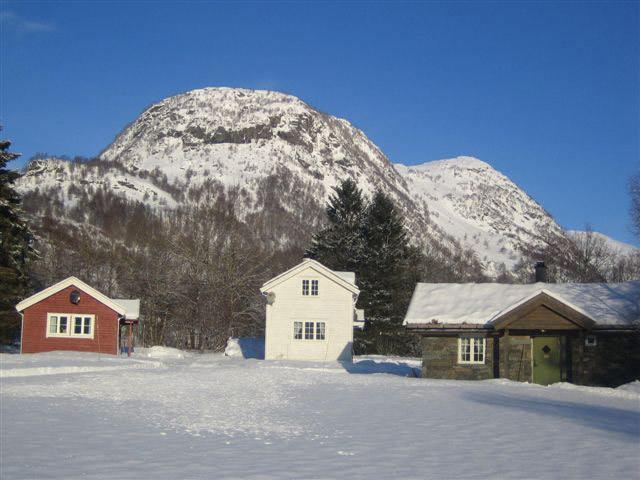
69	325
310	287
82	325
591	341
63	325
53	324
297	330
308	330
471	350
320	330
312	331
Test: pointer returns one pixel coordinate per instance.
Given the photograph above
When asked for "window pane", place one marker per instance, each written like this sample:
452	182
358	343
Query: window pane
87	325
305	287
478	355
62	327
308	330
320	331
297	330
465	349
314	287
53	324
77	325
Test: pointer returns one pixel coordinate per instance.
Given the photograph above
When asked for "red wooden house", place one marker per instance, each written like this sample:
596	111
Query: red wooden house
72	315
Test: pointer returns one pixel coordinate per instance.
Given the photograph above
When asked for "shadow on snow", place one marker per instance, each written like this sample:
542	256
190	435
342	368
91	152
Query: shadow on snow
615	420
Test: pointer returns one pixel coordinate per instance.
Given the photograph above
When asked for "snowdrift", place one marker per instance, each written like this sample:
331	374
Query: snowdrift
245	347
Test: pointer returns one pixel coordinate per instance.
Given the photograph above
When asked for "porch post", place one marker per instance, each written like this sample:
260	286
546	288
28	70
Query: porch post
130	340
504	355
580	373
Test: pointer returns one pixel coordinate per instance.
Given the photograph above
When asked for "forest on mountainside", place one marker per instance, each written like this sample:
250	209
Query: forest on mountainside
197	269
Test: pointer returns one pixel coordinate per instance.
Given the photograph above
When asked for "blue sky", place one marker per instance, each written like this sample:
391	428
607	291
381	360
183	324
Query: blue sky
547	93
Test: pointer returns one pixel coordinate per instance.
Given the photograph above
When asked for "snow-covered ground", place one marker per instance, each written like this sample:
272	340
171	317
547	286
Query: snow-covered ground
178	415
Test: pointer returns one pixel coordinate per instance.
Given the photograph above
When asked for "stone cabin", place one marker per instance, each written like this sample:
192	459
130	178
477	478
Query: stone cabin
588	334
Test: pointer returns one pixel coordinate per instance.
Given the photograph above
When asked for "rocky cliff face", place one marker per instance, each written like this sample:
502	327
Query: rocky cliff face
277	156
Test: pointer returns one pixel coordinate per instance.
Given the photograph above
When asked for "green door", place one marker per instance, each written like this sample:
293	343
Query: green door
546	360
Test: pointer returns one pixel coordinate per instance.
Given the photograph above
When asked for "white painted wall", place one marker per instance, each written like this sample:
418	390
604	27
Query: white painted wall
334	305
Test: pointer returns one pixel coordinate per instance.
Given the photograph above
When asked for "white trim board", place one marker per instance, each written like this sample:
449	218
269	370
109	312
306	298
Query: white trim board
68	282
318	267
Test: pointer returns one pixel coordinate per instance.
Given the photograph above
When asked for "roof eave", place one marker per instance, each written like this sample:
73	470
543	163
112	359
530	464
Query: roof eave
313	264
61	285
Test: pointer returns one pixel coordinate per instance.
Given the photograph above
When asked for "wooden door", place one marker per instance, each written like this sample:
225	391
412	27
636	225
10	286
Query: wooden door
546	356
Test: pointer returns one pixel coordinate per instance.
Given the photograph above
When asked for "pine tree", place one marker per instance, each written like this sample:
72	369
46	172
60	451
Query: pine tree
370	240
339	245
15	245
388	273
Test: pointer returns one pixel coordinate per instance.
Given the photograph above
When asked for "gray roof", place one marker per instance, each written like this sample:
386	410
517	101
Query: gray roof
347	276
480	303
131	307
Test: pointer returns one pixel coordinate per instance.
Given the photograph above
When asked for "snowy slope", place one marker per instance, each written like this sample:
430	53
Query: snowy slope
262	141
613	244
210	416
239	136
478	205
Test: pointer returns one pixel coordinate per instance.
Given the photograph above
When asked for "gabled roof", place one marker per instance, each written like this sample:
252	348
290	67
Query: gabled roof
341	278
543	297
129	308
482	304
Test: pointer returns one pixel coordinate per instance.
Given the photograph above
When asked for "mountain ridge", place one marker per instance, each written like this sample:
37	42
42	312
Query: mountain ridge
283	155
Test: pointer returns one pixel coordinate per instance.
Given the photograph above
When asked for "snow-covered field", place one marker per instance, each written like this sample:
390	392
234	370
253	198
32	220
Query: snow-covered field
176	415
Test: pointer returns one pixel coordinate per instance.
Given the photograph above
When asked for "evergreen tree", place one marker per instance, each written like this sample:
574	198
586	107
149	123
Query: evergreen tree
370	240
339	245
388	273
15	246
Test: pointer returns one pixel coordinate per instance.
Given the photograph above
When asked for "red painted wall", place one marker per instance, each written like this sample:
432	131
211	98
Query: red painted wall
34	325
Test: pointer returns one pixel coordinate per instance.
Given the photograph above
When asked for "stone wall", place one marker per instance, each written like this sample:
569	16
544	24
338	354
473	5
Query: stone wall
440	360
615	360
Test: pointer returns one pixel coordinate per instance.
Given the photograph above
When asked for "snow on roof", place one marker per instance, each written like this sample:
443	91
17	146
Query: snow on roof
347	276
131	307
480	303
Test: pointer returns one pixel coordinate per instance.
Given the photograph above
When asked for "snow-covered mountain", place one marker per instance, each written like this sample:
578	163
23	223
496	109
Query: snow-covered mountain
271	148
612	244
479	206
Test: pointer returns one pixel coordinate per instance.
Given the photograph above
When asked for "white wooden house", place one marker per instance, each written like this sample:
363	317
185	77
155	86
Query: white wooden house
311	313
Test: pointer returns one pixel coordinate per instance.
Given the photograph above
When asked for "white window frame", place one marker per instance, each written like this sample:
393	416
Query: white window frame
301	330
590	341
472	343
309	335
71	322
314	333
311	287
324	331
